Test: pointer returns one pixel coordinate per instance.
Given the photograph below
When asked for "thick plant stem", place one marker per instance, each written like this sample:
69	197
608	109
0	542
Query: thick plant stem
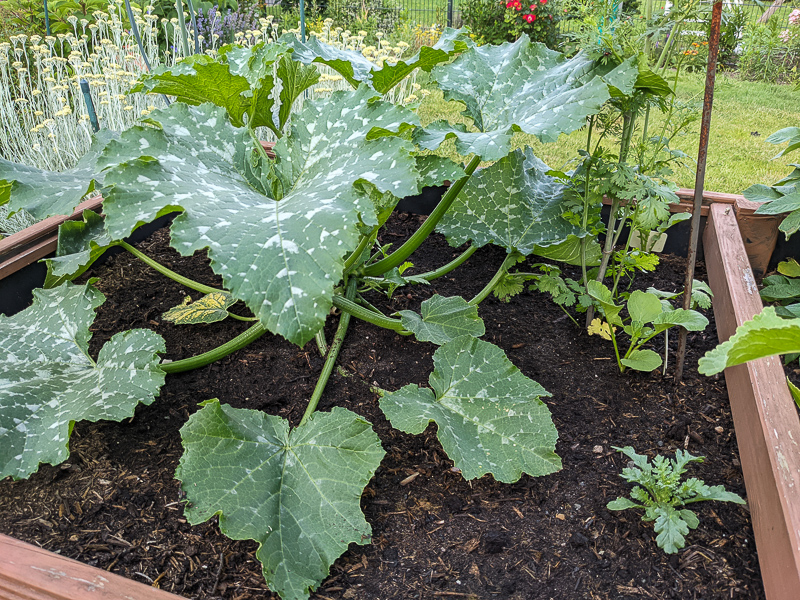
585	217
201	360
346	305
322	343
481	296
365	241
618	274
451	266
333	354
397	257
182	28
192	285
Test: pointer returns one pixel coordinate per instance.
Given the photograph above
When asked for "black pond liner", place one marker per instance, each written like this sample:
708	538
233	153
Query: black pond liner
16	290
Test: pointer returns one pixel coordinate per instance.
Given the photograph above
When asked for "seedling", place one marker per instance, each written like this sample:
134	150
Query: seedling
662	495
647	317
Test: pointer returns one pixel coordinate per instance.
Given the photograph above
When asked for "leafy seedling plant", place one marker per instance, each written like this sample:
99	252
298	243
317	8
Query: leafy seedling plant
647	316
663	496
292	236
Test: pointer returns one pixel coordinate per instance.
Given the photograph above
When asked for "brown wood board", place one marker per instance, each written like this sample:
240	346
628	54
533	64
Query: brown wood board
31	573
766	421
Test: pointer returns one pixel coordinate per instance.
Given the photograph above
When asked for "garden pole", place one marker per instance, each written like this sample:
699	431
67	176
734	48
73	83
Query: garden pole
302	21
194	28
87	98
702	154
46	19
449	13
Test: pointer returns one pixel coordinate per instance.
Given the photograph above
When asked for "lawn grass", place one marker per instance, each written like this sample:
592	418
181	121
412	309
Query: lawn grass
744	114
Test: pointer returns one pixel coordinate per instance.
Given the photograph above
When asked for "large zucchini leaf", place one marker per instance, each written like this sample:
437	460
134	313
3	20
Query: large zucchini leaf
294	492
521	87
513	204
47	193
766	334
282	258
357	69
241	80
48	381
489	415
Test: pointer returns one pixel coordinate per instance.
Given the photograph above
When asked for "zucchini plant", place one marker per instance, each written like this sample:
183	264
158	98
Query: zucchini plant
293	236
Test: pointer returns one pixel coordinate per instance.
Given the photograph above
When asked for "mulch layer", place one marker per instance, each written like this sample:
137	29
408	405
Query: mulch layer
115	504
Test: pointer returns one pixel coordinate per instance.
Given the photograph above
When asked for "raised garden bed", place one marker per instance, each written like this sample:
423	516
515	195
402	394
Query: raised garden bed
115	505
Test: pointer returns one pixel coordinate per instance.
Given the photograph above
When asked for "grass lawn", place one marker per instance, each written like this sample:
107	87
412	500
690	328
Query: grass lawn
745	113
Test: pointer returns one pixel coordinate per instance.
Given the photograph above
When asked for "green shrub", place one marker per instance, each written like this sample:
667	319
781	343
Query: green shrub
765	55
498	21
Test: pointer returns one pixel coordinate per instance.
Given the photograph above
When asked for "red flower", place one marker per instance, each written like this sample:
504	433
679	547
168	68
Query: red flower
543	1
529	18
518	7
533	7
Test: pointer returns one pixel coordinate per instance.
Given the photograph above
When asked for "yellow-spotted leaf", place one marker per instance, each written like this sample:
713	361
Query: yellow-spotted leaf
210	308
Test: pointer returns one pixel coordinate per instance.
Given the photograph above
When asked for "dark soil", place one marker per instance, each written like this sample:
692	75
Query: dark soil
115	503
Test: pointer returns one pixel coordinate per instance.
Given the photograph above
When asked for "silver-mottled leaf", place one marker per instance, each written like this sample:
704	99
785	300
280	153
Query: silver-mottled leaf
489	415
443	319
357	69
46	193
282	258
48	380
513	204
80	243
294	492
519	87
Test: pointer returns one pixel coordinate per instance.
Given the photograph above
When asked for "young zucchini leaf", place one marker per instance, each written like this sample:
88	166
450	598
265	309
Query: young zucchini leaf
520	87
48	381
766	334
443	319
210	308
294	492
46	193
489	415
357	69
281	258
241	80
513	204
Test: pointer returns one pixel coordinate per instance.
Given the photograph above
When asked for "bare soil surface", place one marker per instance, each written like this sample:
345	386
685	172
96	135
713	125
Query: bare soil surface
115	503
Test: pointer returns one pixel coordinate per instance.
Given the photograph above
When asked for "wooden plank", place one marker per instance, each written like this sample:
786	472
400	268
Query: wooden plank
29	255
28	572
722	198
47	227
764	415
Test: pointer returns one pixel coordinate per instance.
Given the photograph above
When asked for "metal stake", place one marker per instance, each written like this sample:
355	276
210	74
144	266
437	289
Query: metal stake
302	21
702	154
87	98
46	19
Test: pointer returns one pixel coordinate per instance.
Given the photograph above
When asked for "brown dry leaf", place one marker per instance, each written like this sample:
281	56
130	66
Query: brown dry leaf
475	571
